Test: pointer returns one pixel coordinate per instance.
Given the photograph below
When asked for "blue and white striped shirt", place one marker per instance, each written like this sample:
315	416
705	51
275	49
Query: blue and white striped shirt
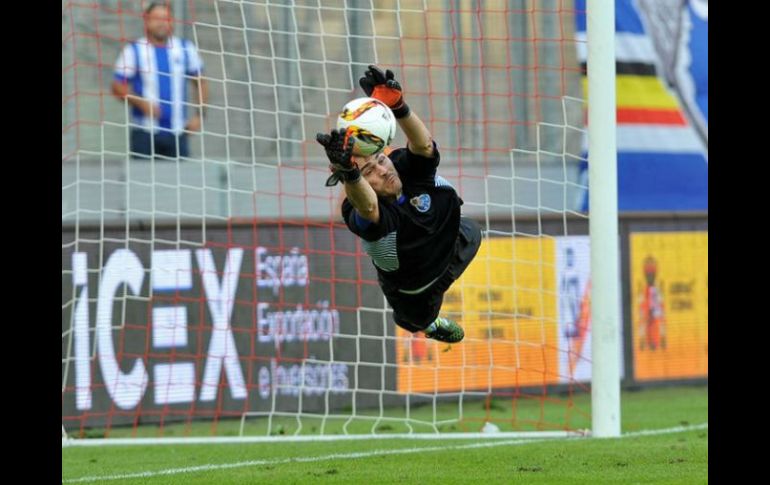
160	74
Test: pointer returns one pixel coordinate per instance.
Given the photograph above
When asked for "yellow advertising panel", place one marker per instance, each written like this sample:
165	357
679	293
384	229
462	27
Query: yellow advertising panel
506	302
669	288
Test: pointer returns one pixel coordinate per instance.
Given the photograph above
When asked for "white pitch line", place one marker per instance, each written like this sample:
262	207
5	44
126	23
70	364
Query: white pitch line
675	429
367	454
218	440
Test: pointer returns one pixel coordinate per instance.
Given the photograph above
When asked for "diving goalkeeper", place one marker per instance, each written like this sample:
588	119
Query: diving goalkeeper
406	215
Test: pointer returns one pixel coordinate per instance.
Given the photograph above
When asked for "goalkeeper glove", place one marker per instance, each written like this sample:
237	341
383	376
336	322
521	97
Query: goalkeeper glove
339	148
382	86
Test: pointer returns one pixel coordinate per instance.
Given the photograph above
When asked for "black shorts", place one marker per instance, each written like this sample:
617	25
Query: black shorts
415	312
164	143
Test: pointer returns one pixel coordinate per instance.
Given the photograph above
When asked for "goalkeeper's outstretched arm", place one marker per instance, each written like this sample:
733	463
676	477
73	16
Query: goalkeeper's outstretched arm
384	87
363	198
339	150
420	139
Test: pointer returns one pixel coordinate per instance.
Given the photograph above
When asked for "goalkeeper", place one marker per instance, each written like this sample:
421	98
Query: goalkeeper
407	216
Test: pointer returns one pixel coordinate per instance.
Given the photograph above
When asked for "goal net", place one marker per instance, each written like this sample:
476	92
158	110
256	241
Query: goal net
218	293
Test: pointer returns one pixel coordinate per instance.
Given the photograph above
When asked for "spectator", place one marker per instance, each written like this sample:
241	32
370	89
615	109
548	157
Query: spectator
151	75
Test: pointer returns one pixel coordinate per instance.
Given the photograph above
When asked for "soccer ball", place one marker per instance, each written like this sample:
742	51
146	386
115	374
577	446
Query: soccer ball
371	122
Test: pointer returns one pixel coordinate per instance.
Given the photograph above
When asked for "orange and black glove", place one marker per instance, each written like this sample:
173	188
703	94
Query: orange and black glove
339	148
382	86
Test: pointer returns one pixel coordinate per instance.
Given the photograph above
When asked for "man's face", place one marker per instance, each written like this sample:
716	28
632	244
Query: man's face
159	23
379	171
650	270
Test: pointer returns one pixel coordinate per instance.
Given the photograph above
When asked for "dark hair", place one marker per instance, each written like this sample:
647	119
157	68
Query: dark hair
153	5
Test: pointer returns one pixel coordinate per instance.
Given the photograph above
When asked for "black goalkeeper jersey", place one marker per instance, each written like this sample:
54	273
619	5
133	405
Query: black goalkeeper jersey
414	240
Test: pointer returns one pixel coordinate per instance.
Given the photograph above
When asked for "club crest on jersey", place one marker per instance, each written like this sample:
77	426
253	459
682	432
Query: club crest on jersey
421	202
